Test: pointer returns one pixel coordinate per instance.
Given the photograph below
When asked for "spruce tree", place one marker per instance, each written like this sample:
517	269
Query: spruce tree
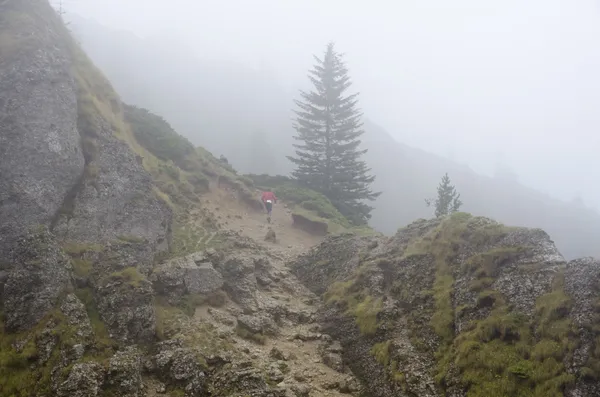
328	125
447	200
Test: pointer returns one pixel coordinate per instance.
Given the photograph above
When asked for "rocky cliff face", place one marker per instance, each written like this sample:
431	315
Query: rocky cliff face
460	307
64	157
41	158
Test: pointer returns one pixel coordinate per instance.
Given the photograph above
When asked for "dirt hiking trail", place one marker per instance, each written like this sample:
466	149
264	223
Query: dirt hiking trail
297	357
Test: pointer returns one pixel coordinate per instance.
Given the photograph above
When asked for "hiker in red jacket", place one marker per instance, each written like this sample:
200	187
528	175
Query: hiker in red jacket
268	198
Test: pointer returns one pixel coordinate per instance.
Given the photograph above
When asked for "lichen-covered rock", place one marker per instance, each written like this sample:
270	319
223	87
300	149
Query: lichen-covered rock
40	155
119	202
238	271
203	279
180	366
125	372
192	274
259	324
125	301
38	274
243	380
84	380
455	306
77	317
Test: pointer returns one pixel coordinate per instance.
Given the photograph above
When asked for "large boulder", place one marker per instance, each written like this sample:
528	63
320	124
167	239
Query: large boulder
192	274
38	273
40	154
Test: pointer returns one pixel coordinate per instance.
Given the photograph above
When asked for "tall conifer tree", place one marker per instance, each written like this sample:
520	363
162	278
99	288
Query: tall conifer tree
328	125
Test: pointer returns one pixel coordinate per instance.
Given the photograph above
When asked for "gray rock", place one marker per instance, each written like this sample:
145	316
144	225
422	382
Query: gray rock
301	390
240	279
333	361
177	365
40	156
187	274
275	374
77	317
125	372
246	381
203	279
119	203
582	279
258	324
270	236
277	354
84	380
127	308
348	385
38	275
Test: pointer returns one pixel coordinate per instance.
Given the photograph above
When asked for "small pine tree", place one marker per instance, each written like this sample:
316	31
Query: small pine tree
448	199
328	125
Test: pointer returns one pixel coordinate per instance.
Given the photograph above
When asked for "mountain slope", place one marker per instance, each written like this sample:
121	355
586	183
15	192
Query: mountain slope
406	175
120	274
462	306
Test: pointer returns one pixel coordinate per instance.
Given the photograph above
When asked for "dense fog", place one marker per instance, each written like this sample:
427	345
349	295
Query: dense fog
502	95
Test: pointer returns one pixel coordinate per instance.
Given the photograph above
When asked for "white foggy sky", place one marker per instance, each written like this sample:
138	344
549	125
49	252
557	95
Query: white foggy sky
475	80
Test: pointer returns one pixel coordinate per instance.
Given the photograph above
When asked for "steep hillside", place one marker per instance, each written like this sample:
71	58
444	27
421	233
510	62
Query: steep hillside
254	103
131	262
460	307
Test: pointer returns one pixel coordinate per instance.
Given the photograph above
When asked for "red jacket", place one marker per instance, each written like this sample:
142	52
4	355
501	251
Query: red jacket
268	196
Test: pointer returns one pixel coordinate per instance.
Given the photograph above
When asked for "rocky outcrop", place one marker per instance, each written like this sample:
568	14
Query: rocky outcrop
40	154
459	306
180	366
238	271
125	372
582	283
192	274
117	202
64	158
125	301
84	380
38	274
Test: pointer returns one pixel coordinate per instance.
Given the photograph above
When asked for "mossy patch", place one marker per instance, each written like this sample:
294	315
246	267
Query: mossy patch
103	346
24	373
129	275
356	301
509	353
384	356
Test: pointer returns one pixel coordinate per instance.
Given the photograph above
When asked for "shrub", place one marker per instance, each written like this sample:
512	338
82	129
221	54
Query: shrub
156	135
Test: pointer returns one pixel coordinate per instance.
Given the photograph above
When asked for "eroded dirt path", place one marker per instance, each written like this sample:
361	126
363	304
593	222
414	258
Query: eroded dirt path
236	216
297	356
